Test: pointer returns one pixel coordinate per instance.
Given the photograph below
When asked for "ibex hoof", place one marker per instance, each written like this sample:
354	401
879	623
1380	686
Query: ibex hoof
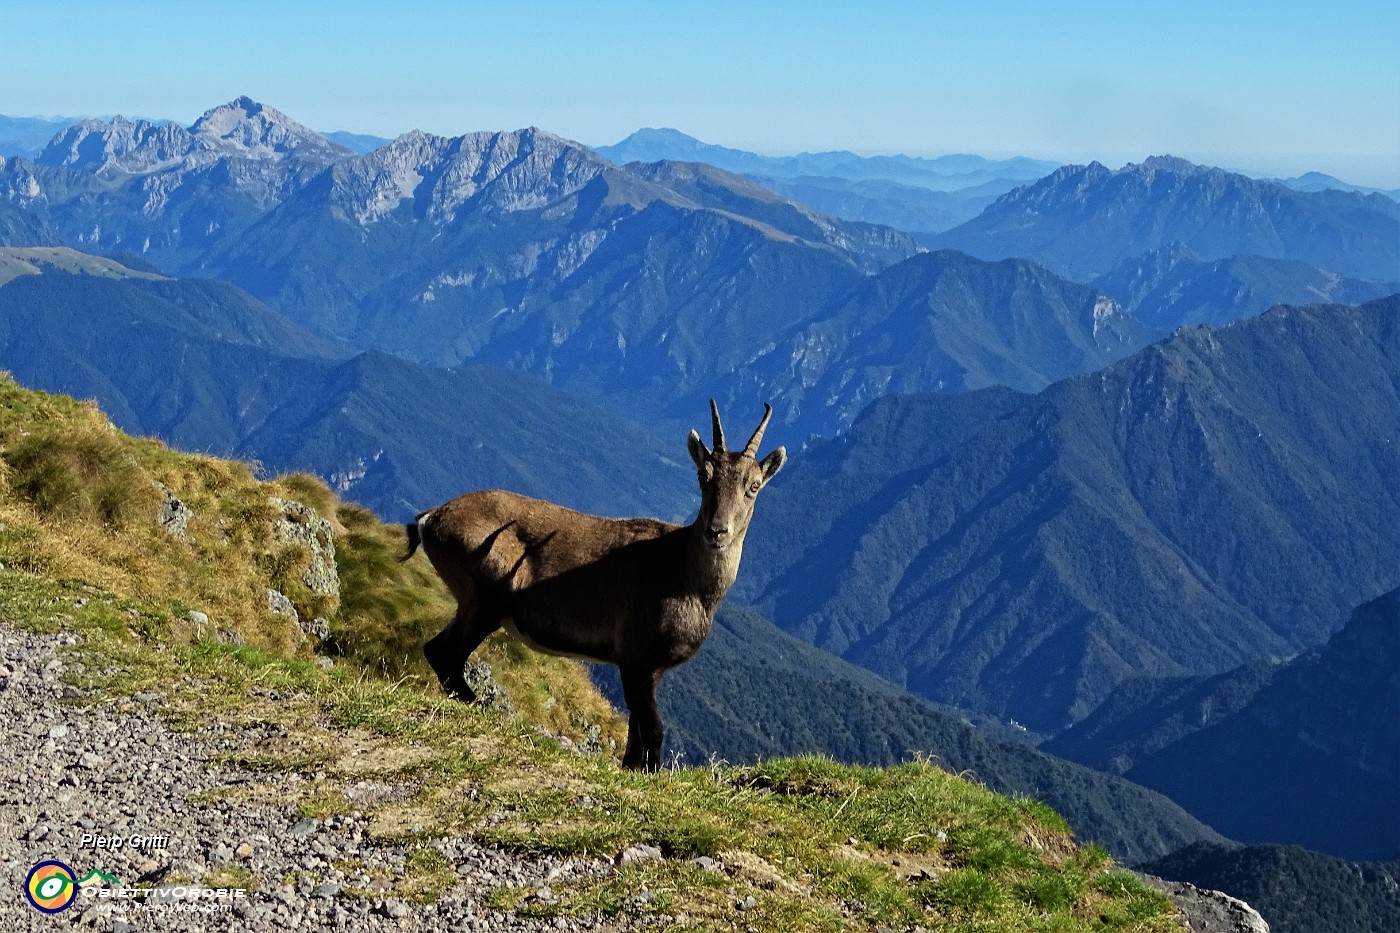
458	690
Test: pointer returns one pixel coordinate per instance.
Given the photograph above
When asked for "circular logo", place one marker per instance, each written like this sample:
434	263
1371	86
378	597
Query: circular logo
51	887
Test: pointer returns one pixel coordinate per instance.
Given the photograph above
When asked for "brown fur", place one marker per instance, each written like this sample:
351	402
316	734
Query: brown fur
637	592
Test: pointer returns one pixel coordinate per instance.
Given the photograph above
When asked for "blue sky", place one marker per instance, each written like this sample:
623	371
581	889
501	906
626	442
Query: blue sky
1278	87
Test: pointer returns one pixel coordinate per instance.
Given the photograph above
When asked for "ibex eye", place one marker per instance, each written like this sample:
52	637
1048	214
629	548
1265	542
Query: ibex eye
754	487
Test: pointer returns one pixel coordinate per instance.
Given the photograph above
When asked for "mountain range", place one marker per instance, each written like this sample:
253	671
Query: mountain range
907	193
1173	287
1082	220
1217	498
1004	496
1306	752
944	173
528	251
204	366
208	367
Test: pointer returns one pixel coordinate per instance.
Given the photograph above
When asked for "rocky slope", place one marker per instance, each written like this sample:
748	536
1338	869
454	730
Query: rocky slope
165	698
1297	890
109	766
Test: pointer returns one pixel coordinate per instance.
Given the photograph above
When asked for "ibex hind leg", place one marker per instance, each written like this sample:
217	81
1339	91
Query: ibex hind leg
448	650
644	729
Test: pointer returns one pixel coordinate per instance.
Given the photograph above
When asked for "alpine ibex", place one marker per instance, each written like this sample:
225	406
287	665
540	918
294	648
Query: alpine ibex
636	592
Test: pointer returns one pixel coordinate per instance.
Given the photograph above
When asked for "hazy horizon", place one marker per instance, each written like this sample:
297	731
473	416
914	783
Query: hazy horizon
1273	89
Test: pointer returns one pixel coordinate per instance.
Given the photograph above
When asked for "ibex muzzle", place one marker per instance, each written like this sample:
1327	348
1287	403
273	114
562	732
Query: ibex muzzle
639	593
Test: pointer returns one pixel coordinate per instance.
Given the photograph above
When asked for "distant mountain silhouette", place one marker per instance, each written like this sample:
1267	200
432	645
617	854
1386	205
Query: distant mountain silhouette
357	142
1083	220
27	136
1320	181
944	173
1172	287
914	194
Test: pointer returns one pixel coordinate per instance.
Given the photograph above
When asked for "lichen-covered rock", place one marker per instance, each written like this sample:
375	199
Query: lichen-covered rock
318	628
174	516
280	604
488	692
300	525
592	742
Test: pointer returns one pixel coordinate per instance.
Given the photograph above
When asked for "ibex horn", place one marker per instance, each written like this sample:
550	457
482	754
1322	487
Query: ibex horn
752	449
719	429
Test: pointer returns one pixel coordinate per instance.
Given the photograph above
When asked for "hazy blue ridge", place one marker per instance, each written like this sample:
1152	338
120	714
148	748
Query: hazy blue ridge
1223	496
208	368
1312	757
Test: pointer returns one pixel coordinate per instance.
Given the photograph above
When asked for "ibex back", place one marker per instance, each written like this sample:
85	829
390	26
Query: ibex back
637	592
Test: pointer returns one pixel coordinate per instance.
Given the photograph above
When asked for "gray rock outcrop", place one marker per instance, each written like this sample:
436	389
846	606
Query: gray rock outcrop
1208	911
279	603
174	516
300	525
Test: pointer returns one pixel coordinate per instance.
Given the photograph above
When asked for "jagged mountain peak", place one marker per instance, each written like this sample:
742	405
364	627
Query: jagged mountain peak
249	126
524	169
241	128
1081	221
1167	163
119	143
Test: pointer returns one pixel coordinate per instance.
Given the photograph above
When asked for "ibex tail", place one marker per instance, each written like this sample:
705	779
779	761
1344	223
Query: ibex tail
411	529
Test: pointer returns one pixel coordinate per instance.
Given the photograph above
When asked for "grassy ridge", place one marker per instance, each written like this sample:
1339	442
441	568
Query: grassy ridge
816	845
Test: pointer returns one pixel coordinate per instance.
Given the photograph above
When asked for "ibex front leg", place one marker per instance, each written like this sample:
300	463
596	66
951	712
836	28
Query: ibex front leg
644	729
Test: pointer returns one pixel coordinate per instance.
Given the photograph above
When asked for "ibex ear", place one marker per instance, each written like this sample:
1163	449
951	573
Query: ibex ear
698	453
772	463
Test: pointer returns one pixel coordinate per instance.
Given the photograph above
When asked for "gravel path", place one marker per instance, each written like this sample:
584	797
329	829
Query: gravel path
114	769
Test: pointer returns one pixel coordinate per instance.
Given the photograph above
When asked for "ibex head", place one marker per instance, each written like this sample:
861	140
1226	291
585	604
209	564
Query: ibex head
730	482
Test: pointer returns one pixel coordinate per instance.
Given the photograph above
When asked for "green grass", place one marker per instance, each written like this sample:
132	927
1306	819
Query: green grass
816	845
